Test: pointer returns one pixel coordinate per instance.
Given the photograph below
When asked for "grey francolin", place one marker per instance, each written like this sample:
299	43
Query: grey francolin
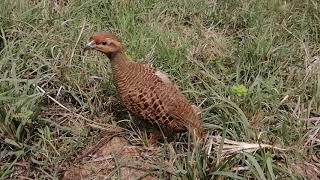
145	91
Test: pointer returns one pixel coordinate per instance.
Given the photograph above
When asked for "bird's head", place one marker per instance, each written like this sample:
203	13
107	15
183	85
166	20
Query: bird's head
105	42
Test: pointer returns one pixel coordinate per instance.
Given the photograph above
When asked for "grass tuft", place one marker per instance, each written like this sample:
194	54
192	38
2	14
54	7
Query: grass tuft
252	67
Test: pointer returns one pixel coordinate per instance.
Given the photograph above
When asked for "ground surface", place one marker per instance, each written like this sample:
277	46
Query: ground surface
251	66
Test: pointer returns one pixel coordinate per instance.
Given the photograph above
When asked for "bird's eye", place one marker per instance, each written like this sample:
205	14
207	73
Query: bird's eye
104	43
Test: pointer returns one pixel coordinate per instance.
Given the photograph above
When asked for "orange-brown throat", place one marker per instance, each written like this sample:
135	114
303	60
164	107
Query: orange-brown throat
118	60
113	55
117	56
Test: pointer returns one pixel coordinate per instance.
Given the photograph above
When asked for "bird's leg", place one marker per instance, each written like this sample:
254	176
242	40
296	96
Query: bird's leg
155	138
160	135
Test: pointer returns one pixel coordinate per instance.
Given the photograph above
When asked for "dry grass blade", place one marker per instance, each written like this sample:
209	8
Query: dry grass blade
91	123
78	39
230	147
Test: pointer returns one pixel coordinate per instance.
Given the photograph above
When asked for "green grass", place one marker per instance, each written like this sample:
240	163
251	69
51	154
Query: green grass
268	47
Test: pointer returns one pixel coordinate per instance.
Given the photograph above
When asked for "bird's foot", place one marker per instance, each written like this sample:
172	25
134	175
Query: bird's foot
154	138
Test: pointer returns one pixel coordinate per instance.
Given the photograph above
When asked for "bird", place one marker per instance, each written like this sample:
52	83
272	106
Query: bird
145	91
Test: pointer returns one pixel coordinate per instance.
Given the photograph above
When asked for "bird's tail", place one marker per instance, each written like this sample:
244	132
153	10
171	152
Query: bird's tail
198	133
197	127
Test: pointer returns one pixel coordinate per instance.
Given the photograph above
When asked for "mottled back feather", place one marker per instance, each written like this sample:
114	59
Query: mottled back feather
150	94
145	91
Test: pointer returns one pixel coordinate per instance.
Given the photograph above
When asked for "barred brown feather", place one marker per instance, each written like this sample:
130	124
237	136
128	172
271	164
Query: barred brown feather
146	92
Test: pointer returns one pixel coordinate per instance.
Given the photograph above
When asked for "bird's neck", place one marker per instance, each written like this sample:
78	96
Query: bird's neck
119	64
118	59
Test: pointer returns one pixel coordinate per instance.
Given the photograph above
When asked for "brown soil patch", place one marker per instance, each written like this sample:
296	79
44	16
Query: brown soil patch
111	157
114	158
310	168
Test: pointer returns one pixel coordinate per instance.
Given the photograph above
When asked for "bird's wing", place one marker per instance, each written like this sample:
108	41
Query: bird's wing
161	75
175	101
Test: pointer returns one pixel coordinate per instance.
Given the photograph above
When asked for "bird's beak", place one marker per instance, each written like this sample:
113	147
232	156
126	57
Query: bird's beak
90	45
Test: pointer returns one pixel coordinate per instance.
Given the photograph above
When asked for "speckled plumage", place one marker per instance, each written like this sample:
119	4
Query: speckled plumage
148	93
